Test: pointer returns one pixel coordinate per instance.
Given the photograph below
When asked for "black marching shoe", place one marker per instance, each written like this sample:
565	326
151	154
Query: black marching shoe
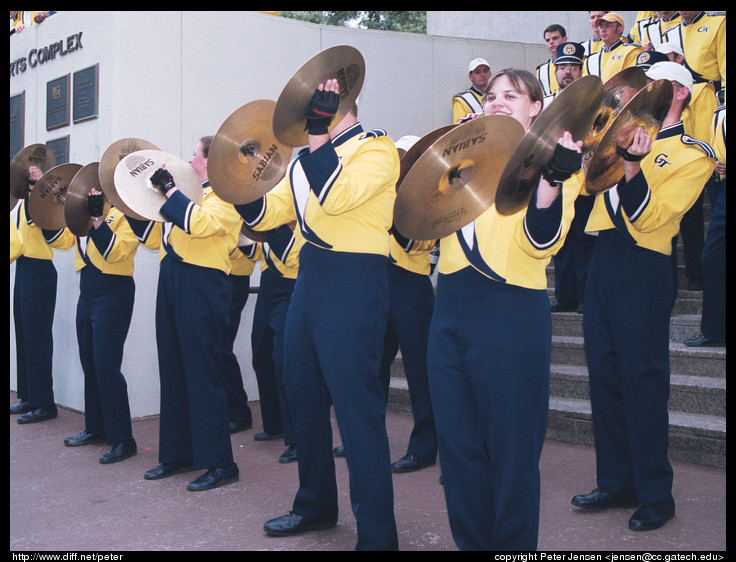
39	414
166	469
604	498
214	478
293	524
289	455
410	463
266	436
652	515
236	426
84	438
119	452
21	407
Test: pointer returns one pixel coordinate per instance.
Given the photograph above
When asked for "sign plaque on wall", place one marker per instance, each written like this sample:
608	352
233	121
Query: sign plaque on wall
60	147
57	103
85	86
17	123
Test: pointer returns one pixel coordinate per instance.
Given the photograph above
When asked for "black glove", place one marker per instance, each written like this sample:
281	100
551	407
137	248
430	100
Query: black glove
565	162
163	180
321	111
95	205
626	155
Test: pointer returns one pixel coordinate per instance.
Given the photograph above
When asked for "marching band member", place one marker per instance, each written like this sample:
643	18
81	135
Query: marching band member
411	301
553	35
104	259
341	191
192	314
615	54
471	100
34	301
490	343
627	311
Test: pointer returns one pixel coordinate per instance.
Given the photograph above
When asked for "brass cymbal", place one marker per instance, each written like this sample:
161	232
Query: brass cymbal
246	159
409	158
573	109
76	211
454	181
134	187
647	109
40	155
342	62
47	198
617	92
110	159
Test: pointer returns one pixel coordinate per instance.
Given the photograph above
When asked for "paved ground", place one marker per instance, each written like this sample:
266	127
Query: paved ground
62	499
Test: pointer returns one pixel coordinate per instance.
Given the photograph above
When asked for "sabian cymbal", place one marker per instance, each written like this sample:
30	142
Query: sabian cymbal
617	92
573	109
343	62
254	235
47	198
133	182
647	109
76	211
40	155
409	158
110	159
454	181
246	159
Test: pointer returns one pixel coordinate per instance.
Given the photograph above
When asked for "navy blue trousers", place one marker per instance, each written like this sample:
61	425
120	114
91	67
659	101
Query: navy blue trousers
626	329
192	311
232	377
333	346
267	343
713	323
34	301
488	360
411	301
104	310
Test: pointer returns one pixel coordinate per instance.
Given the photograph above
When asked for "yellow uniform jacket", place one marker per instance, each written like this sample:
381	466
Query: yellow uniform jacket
703	43
341	195
37	243
648	209
467	101
607	62
511	248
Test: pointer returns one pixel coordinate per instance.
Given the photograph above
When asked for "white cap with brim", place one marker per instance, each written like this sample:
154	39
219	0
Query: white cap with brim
671	71
475	63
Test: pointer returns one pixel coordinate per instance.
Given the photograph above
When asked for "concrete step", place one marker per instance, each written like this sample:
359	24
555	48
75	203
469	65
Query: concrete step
682	326
711	361
689	394
696	438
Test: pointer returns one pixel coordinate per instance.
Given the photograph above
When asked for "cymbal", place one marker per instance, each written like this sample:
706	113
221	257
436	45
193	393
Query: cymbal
47	198
254	235
246	159
454	181
40	155
342	62
573	109
110	159
133	183
647	109
617	92
76	212
409	158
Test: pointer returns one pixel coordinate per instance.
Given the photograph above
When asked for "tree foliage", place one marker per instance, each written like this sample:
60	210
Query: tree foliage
406	21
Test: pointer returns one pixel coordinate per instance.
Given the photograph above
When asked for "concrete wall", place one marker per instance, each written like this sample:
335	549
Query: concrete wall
172	77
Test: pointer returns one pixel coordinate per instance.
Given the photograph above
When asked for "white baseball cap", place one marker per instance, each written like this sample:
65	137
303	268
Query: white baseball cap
671	71
475	63
669	47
